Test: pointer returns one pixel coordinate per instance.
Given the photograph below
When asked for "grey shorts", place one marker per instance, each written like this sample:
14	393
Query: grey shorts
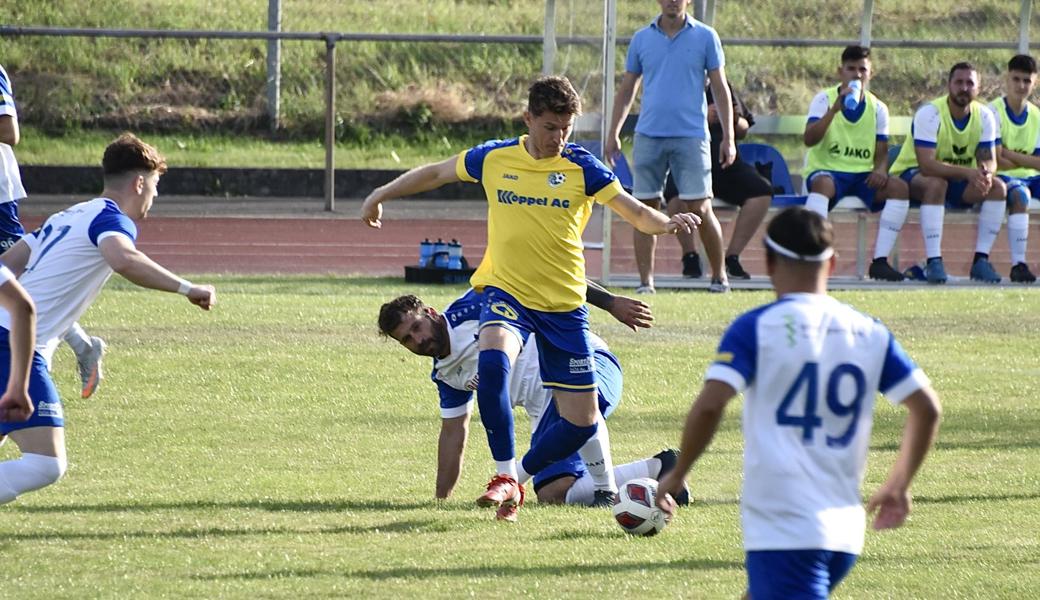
687	159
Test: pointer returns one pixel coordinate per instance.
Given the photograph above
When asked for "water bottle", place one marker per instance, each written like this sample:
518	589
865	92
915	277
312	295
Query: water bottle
454	255
440	254
425	253
852	99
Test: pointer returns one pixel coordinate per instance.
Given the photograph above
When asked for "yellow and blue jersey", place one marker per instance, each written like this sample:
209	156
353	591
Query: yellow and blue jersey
537	210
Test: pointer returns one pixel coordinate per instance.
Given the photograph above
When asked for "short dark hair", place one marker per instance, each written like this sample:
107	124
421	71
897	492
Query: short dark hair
1023	63
128	153
553	94
392	313
855	53
801	231
961	66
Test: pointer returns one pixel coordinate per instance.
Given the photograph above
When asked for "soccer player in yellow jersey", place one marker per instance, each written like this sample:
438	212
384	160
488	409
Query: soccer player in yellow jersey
1018	162
540	191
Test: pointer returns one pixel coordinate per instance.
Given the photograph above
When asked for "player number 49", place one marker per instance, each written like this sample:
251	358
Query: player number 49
809	420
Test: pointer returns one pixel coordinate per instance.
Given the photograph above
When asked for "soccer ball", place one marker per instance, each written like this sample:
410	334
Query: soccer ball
635	507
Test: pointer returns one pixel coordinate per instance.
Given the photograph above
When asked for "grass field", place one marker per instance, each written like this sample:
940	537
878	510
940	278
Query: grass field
278	447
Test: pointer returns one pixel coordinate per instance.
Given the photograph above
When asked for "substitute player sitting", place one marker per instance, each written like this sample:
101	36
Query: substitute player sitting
848	155
809	368
540	191
586	477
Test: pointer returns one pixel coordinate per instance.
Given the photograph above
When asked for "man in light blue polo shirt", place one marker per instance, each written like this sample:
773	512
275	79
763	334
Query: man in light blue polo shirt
673	54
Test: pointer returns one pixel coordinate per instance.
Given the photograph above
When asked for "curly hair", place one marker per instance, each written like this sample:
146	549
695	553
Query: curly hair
392	313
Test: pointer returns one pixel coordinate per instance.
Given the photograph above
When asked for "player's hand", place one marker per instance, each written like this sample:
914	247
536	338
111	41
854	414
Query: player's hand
982	179
667	505
203	296
631	312
727	152
892	504
612	150
372	211
15	407
877	180
685	222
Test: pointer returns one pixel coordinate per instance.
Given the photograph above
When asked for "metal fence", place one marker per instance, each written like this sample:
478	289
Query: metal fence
779	52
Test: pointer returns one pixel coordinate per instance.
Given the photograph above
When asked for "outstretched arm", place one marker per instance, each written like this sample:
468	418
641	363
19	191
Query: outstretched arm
629	311
420	179
892	499
650	221
125	259
450	448
15	405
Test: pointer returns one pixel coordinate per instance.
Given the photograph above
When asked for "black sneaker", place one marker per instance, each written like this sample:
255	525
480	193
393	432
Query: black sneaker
603	499
880	269
691	265
668	458
734	268
1020	273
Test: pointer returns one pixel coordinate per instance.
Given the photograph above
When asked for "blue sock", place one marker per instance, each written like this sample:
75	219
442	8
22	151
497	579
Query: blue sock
493	400
560	441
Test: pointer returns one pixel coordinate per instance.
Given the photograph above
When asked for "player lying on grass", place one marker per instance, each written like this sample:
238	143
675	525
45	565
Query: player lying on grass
450	339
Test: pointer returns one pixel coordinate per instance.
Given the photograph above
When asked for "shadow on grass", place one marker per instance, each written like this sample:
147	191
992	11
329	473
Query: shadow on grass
205	532
970	498
497	571
270	505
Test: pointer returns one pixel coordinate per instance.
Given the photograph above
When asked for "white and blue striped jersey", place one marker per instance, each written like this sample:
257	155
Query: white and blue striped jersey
10	178
65	270
810	368
456	374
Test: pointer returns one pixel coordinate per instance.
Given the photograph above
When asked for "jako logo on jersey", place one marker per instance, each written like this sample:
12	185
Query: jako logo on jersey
510	176
580	365
556	179
511	197
834	150
503	309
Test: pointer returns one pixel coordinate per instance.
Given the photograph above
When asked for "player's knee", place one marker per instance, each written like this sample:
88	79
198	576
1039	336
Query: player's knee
1018	199
998	191
46	469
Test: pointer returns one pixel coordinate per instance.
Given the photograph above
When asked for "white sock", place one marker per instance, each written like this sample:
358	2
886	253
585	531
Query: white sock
519	473
584	490
507	467
28	473
78	339
818	203
889	225
1018	236
932	228
596	456
991	217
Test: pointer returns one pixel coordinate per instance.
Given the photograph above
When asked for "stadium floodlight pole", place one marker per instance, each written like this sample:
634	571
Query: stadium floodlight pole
609	41
1024	16
866	23
274	63
330	122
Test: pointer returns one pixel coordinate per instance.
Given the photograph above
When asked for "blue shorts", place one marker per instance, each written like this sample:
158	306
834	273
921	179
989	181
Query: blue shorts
564	349
796	574
687	159
609	384
954	189
48	410
11	229
1029	185
847	184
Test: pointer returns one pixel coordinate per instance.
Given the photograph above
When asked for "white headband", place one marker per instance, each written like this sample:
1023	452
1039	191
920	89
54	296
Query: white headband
821	257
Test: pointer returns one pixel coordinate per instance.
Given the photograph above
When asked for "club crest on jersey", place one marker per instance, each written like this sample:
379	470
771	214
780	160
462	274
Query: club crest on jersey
504	310
556	179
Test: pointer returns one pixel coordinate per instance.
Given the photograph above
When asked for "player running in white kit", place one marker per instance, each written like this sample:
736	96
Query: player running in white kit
810	368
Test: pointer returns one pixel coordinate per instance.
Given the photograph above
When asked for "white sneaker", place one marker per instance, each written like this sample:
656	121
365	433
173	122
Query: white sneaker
718	286
646	289
90	367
